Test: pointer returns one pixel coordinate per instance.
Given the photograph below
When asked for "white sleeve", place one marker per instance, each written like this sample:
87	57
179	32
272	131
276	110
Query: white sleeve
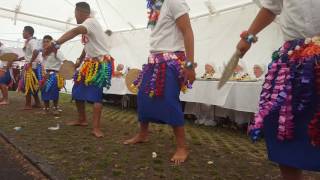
178	8
60	56
274	6
34	44
89	25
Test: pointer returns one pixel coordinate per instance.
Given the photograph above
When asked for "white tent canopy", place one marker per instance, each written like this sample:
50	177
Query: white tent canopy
58	15
216	23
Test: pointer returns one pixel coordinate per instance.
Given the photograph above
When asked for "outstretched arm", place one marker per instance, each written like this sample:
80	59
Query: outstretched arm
262	20
71	34
66	37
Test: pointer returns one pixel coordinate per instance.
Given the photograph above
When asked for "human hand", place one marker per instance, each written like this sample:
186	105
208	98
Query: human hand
243	47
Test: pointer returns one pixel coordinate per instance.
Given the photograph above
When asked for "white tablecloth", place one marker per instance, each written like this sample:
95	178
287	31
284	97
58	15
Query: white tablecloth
118	86
239	96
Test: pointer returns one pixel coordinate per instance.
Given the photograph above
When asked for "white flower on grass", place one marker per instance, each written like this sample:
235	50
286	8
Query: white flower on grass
54	128
17	128
154	155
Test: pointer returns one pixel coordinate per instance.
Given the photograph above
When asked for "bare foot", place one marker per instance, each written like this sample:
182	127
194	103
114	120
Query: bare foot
97	133
77	123
139	138
180	156
4	103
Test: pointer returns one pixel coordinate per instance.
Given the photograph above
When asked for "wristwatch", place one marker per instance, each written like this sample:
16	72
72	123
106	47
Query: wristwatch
189	65
56	45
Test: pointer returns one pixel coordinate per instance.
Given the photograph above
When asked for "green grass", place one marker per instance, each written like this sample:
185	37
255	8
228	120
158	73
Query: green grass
78	155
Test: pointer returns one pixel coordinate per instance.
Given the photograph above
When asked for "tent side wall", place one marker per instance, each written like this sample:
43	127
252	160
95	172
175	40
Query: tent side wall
215	40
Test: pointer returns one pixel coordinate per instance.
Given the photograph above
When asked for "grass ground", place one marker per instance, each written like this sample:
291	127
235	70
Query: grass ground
78	155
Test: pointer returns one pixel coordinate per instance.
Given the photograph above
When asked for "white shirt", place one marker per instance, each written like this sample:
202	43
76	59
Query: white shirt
2	64
53	61
30	47
97	40
299	18
166	36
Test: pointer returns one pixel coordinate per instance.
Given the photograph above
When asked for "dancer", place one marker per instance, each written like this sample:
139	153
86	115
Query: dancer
96	70
52	82
289	105
5	80
171	60
32	71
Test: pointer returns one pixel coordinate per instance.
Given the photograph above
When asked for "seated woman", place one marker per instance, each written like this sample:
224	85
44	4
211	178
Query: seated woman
258	71
210	72
120	71
204	113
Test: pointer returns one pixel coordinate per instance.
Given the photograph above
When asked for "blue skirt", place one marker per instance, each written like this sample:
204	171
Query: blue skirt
50	94
299	152
165	109
6	79
90	93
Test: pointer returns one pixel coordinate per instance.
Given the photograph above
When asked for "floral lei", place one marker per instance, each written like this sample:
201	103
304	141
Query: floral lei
154	7
294	65
157	65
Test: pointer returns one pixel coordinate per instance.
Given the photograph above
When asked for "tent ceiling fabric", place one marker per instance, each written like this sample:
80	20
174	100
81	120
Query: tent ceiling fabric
215	36
116	15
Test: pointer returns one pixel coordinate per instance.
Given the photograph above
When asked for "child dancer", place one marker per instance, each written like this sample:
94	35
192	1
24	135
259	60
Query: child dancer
52	81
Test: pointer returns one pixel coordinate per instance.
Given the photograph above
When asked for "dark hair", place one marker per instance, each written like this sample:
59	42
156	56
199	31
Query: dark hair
29	29
108	32
83	6
48	37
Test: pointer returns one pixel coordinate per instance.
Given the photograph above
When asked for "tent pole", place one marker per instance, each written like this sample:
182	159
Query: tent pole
35	16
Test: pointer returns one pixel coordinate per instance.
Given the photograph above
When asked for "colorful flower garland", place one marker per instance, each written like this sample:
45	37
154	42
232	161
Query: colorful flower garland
158	64
28	82
154	7
61	82
314	126
96	72
53	80
292	65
